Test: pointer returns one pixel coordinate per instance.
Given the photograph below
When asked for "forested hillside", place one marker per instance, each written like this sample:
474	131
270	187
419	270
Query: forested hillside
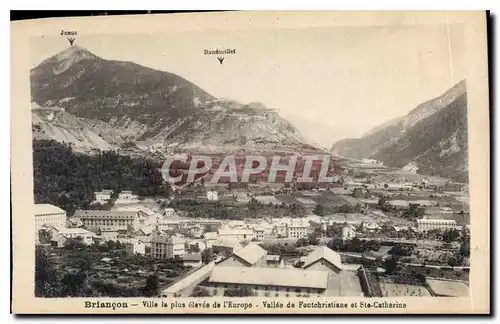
68	179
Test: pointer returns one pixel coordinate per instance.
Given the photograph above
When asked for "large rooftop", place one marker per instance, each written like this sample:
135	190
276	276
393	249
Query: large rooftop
251	253
324	253
270	277
111	214
44	209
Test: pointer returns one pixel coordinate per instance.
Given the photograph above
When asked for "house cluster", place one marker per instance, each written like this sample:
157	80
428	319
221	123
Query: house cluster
257	230
135	229
52	226
105	196
320	273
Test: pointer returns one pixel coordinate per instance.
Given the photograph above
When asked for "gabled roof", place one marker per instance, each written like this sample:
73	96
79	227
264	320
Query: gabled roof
323	253
270	277
43	209
251	253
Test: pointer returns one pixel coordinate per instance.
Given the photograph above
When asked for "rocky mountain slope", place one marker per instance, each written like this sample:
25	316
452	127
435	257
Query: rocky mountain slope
84	134
144	105
387	135
437	144
433	136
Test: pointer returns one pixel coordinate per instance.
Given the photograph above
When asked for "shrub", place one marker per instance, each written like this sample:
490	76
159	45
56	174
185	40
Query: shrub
238	292
200	292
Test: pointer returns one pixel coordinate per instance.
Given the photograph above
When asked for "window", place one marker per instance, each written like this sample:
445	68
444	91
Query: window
297	290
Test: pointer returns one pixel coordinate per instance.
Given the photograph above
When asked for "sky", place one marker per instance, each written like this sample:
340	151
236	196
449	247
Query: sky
346	80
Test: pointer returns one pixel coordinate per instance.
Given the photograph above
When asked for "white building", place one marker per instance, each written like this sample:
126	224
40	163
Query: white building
212	195
275	281
280	225
135	247
210	238
297	229
348	232
127	195
259	233
150	215
433	224
47	214
103	196
164	247
168	212
196	230
110	220
61	235
236	234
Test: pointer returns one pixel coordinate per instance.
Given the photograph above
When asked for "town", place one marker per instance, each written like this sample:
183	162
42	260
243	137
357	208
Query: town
376	232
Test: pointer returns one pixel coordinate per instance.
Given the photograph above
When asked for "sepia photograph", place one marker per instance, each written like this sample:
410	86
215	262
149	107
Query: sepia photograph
212	167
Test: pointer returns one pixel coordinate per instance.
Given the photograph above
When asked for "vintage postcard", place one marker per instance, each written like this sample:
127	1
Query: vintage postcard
251	162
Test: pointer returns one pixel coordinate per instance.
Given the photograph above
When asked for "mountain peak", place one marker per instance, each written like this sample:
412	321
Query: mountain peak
75	51
68	57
